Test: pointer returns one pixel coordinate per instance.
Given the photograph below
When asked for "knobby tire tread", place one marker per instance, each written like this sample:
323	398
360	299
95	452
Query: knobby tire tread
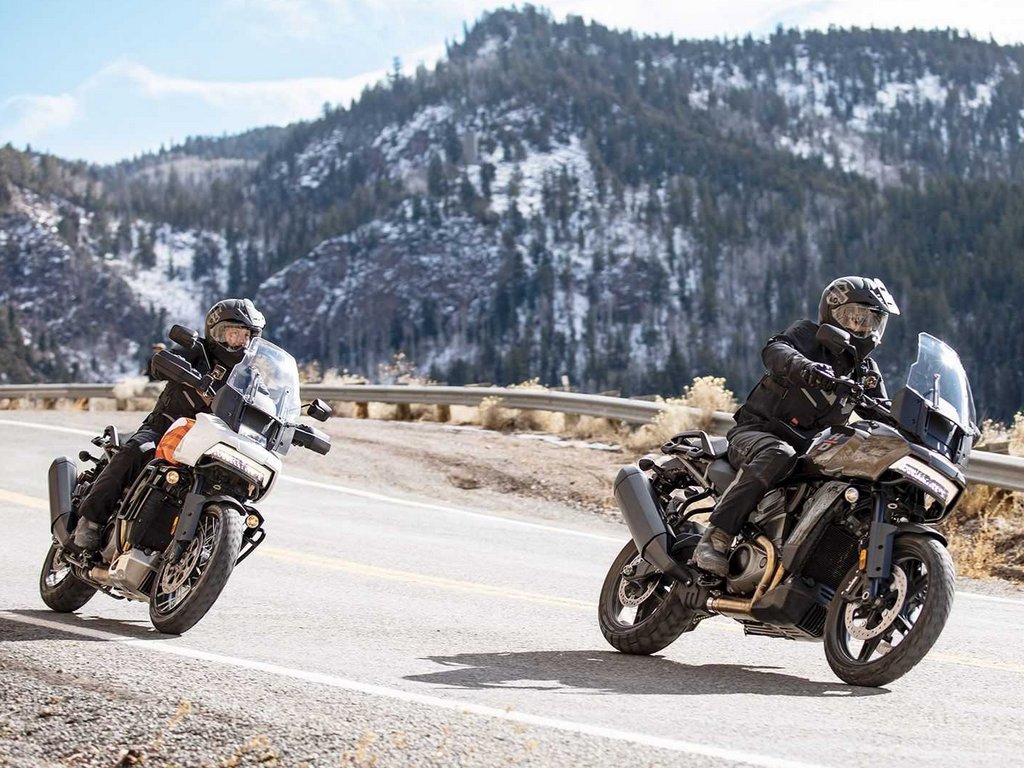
905	656
201	599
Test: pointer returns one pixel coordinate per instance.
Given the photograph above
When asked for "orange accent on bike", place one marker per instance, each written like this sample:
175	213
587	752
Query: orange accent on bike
863	559
173	436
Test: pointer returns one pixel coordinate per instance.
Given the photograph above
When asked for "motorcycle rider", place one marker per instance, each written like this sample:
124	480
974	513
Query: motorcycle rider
230	324
794	401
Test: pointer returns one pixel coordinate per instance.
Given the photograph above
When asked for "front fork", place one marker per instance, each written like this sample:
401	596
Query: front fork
875	559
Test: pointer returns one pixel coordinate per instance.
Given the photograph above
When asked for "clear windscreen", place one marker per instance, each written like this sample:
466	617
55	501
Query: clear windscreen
939	377
268	378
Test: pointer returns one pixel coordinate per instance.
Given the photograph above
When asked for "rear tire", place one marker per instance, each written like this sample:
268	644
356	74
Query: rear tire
182	593
892	640
60	589
659	618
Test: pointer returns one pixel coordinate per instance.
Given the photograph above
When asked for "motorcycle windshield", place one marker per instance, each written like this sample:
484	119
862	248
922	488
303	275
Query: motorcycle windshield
939	376
268	378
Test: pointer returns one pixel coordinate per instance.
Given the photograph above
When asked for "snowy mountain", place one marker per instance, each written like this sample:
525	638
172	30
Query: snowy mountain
561	199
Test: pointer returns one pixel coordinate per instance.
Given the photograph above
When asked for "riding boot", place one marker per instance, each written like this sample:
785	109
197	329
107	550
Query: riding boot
87	535
712	551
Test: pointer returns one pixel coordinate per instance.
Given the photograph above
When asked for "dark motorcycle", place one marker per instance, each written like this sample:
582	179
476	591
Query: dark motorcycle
844	551
187	519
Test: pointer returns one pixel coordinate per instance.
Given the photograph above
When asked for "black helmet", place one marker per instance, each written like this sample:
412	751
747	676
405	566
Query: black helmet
230	324
860	305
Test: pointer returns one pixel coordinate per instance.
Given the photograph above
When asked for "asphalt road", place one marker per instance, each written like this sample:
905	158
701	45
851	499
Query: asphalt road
371	630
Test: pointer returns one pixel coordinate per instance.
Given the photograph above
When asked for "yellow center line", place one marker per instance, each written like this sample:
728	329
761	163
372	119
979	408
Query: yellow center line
32	502
410	577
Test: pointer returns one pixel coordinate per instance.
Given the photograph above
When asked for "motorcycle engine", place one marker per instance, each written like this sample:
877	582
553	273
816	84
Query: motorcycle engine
748	561
746	567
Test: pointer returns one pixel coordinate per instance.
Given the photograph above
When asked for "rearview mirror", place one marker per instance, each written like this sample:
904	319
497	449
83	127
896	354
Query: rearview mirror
319	410
183	337
835	340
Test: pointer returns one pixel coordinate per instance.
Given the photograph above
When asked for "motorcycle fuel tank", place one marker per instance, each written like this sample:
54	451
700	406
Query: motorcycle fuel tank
865	450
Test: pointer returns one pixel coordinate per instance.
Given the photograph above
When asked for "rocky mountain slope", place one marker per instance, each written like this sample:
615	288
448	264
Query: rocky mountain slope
559	199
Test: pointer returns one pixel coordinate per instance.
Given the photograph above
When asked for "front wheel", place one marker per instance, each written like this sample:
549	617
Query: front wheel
184	591
872	643
60	589
640	616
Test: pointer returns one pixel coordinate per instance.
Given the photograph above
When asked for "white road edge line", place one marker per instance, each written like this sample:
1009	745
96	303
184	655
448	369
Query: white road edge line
396	694
451	510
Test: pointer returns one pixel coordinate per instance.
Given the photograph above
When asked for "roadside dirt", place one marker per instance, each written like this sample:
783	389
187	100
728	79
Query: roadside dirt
474	467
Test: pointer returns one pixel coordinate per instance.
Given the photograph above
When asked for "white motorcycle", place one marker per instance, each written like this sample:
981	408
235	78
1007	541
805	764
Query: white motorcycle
187	519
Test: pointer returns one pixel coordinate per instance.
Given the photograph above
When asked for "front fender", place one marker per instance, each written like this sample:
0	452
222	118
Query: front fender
904	529
188	521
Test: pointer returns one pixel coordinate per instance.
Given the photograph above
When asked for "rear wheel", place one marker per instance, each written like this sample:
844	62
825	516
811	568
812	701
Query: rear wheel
873	642
184	591
60	589
640	616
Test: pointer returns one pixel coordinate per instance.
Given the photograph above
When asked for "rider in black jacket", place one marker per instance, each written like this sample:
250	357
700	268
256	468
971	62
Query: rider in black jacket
230	324
794	401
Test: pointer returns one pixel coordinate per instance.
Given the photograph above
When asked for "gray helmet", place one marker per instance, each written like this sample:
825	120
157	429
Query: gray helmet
859	305
230	324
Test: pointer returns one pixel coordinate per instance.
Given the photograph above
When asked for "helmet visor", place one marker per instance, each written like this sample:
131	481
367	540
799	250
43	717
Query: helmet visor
231	335
861	320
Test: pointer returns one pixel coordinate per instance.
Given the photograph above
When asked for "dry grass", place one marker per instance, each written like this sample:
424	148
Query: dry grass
693	410
986	532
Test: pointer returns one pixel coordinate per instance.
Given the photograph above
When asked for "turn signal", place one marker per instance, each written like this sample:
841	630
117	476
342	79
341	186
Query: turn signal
172	477
252	521
851	495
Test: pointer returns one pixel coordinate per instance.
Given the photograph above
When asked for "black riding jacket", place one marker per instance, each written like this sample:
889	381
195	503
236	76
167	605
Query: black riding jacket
178	400
784	405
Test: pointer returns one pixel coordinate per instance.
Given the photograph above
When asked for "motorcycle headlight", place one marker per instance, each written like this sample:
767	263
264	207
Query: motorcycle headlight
247	467
927	478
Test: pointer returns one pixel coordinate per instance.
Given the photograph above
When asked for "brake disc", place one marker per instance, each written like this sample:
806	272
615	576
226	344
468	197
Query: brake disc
174	576
632	593
857	626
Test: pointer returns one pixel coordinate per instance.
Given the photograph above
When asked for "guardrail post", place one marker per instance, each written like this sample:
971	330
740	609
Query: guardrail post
403	412
443	413
362	410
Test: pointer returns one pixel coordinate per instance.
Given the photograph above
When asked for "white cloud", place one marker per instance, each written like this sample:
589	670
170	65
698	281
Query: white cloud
266	101
31	117
127	108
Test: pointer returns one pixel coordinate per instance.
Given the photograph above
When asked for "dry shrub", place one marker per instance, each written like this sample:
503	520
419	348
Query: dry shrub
465	414
592	428
694	410
536	421
972	530
340	378
1016	435
986	532
492	415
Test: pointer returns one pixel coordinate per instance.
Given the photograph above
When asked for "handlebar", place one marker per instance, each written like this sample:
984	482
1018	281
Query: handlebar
172	367
851	389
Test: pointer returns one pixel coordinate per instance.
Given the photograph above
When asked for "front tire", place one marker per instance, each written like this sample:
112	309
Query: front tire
60	589
184	591
872	645
640	618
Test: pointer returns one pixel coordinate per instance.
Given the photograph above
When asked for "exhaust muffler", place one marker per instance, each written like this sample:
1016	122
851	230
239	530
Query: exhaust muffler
639	506
61	480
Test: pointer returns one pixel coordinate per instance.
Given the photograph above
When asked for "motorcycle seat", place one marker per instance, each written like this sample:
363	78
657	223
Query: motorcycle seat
721	474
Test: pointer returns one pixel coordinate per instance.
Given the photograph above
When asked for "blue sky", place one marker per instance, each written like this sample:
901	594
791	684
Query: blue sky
107	79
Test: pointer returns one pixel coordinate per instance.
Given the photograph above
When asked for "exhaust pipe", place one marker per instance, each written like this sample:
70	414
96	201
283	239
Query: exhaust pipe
639	506
61	480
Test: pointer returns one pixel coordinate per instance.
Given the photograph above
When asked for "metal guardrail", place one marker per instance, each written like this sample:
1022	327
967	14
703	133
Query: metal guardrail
984	468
